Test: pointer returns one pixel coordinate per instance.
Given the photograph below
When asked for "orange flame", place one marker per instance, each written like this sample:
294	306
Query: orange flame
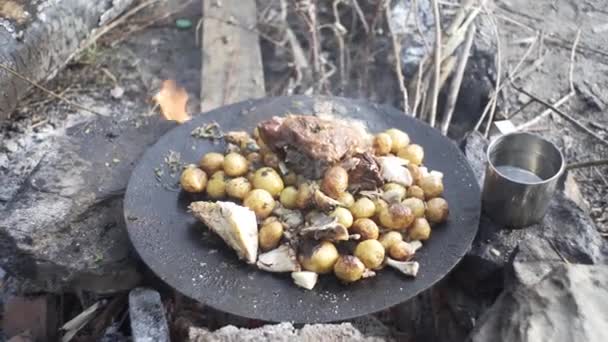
172	100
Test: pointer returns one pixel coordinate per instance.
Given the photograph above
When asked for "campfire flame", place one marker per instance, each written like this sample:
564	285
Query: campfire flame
172	100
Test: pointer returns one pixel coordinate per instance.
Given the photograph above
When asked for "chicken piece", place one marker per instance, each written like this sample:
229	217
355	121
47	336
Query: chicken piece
309	143
305	279
365	174
394	169
281	259
235	224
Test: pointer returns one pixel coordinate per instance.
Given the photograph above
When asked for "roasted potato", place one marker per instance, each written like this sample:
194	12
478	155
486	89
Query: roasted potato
390	238
289	197
432	186
346	199
366	228
343	216
305	197
349	268
268	179
437	210
193	179
363	208
290	178
371	253
415	172
421	230
216	187
401	251
335	182
383	143
271	160
212	162
395	189
318	257
415	191
413	153
235	164
238	187
396	216
270	235
416	205
399	139
260	201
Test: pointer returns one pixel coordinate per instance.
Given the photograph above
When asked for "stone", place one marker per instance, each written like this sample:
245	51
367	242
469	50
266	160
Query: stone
284	332
36	316
567	304
474	147
148	321
63	228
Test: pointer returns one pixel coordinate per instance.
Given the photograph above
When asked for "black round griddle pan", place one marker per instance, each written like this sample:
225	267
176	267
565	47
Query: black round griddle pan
183	253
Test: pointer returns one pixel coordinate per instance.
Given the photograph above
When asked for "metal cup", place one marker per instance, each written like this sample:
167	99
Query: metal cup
521	176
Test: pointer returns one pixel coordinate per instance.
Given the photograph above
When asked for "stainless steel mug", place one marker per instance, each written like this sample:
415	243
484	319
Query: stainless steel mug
521	176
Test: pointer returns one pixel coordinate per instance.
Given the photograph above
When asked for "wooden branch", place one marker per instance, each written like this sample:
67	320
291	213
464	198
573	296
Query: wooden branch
437	61
457	81
579	165
566	116
232	61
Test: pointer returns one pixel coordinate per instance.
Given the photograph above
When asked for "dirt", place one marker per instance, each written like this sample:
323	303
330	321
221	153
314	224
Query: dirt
560	20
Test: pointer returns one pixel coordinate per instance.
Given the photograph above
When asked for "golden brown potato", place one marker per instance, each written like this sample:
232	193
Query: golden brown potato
399	139
349	268
193	179
421	230
290	178
346	199
394	188
335	182
432	186
268	179
216	187
383	143
260	201
416	205
270	235
235	164
401	251
437	210
271	160
415	191
212	162
305	195
366	228
390	238
415	172
318	257
371	253
289	197
396	216
414	153
343	215
238	187
363	208
254	158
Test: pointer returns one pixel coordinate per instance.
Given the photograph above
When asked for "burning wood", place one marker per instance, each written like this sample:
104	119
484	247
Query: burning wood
172	100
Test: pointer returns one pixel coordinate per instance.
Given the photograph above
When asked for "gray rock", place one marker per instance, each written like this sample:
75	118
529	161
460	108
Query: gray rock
284	332
567	304
63	229
44	41
474	148
148	321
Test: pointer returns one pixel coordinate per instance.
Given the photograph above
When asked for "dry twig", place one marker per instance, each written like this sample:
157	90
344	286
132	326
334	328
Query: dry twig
456	82
580	165
361	15
397	56
566	116
498	75
563	99
437	62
